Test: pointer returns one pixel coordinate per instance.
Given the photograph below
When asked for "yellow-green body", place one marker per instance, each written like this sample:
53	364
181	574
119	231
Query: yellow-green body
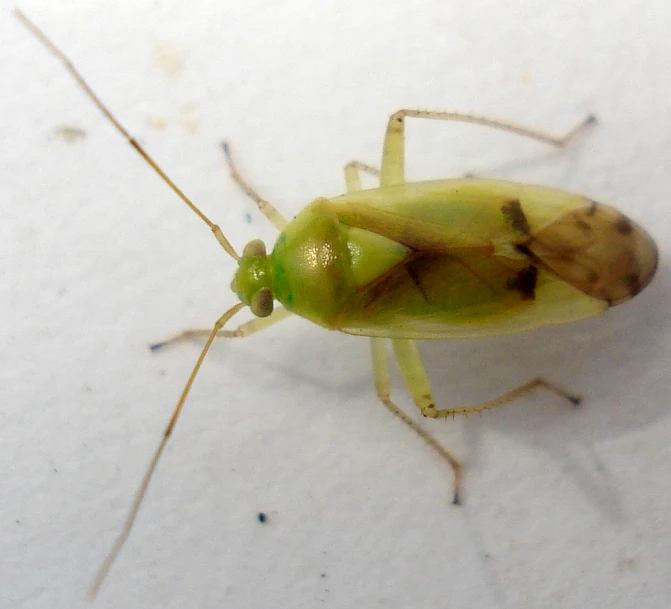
451	258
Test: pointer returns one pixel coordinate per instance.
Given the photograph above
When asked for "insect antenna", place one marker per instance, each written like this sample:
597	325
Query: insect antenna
218	326
42	37
139	495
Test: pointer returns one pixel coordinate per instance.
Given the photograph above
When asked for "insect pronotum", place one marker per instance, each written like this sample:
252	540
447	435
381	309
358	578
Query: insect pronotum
419	260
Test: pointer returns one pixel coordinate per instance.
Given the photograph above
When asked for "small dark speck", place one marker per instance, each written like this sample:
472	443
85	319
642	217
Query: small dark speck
487	555
69	133
55	470
17	521
262	517
162	372
624	226
62	291
87	388
525	282
323	575
627	564
248	218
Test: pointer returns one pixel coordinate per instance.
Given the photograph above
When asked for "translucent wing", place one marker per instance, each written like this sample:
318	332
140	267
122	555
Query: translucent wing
465	295
488	257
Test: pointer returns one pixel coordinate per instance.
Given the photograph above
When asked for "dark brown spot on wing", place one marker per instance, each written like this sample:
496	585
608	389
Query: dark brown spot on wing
514	213
525	282
633	279
524	249
624	226
581	224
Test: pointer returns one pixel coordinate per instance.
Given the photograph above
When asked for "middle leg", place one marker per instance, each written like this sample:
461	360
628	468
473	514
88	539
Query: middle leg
353	171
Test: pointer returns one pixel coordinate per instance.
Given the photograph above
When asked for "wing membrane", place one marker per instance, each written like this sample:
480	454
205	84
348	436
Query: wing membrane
464	274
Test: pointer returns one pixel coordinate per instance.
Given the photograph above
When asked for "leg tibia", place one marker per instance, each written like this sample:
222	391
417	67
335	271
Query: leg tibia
411	367
381	375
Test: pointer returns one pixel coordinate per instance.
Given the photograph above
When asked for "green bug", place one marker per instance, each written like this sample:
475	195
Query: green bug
426	260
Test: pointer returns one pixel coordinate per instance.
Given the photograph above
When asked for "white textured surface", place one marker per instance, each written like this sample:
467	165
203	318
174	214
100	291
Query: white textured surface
564	509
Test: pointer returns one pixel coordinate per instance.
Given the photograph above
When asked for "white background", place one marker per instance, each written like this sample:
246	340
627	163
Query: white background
563	509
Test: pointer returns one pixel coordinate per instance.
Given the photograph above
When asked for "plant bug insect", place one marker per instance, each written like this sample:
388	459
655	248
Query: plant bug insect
428	260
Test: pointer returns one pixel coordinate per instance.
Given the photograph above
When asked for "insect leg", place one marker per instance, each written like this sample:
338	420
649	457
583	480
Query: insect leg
412	369
353	169
246	329
393	153
265	207
381	375
379	357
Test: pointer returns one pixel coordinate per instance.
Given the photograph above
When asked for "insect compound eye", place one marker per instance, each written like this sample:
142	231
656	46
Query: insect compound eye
255	249
262	303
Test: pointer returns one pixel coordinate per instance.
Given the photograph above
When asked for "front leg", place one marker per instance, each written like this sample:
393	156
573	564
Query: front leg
265	207
246	329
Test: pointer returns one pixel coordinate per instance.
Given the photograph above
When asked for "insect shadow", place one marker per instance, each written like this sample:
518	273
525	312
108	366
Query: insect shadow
610	360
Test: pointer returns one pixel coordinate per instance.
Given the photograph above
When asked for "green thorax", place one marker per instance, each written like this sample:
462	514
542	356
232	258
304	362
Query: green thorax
316	266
